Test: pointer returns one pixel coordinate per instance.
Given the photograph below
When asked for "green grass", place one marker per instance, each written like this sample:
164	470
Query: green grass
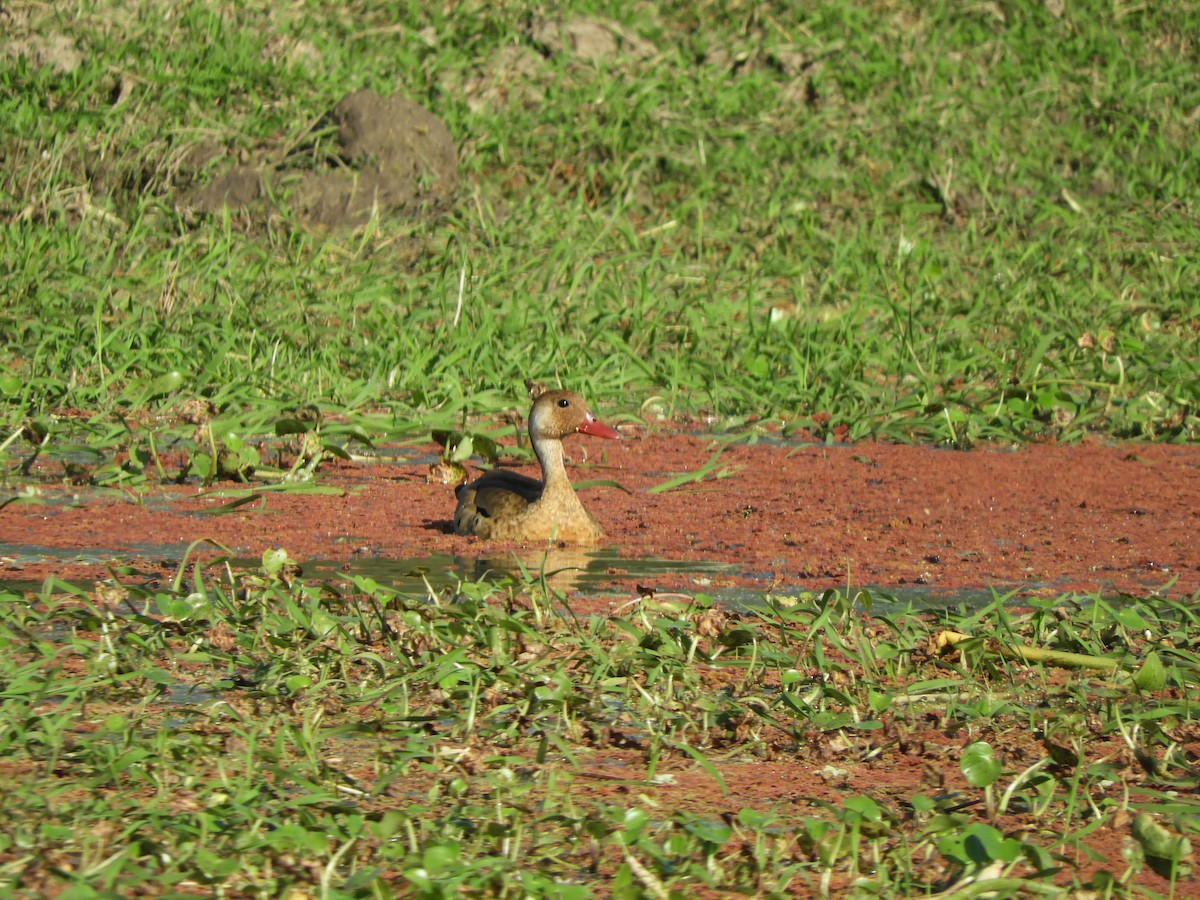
919	222
250	735
868	221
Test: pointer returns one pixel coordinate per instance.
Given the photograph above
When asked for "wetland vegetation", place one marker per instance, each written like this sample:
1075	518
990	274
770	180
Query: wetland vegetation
839	221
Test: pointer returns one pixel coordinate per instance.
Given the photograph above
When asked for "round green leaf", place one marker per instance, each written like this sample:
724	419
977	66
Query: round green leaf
165	384
985	844
865	807
439	857
979	765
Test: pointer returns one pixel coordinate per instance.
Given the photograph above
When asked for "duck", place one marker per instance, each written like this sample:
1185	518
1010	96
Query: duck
502	505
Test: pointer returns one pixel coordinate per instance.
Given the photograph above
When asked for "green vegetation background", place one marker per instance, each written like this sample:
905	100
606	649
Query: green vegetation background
921	221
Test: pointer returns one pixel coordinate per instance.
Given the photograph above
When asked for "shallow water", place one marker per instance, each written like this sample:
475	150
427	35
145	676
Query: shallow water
597	572
565	569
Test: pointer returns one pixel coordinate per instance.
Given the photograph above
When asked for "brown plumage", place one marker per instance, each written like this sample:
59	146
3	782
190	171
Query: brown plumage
507	506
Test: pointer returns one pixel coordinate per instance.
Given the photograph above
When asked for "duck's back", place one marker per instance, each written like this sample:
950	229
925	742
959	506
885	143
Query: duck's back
506	506
498	496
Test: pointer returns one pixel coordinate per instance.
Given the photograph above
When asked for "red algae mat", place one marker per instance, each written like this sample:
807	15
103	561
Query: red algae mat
1043	519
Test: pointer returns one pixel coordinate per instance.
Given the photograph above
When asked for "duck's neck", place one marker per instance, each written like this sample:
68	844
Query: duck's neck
554	474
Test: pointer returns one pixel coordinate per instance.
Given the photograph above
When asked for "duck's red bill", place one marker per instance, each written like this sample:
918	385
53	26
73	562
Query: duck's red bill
597	429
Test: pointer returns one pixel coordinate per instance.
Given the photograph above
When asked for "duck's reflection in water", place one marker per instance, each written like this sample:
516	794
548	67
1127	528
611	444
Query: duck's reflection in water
563	568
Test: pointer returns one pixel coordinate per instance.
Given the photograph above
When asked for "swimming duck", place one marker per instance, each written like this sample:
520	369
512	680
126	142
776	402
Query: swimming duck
506	506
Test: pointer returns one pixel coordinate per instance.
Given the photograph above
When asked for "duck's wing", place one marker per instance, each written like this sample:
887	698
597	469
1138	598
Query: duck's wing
498	496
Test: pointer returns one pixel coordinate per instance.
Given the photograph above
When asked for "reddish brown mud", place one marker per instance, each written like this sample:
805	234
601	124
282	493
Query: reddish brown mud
1041	519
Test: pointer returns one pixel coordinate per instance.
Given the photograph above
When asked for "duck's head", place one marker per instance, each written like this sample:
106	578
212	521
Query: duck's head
557	414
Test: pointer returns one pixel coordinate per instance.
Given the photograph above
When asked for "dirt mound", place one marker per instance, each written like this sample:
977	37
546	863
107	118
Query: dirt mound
395	157
589	38
23	38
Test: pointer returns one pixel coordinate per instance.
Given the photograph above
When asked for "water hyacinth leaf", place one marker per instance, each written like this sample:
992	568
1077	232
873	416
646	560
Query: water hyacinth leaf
444	438
166	383
634	821
921	803
1131	619
366	584
420	878
274	560
1150	675
708	830
296	683
486	447
864	807
353	431
984	844
463	449
751	818
388	824
438	858
979	765
143	392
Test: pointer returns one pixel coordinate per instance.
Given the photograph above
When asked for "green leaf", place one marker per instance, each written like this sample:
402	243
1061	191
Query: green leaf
296	683
864	807
440	857
486	447
689	477
166	383
979	765
1160	844
1150	675
633	821
921	803
463	449
289	425
1131	619
984	844
710	831
878	701
420	877
445	438
274	560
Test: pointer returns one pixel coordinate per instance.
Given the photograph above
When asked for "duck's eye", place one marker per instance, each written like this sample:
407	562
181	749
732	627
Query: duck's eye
564	403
